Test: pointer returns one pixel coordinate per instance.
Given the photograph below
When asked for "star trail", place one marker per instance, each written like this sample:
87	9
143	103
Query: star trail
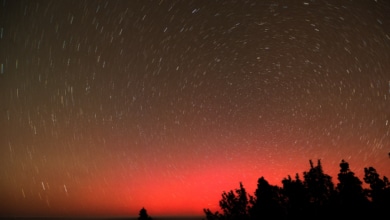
109	106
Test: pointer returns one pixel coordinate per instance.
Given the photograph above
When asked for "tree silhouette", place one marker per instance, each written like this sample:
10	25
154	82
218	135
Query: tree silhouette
379	191
267	201
234	205
296	196
320	190
143	215
212	215
351	196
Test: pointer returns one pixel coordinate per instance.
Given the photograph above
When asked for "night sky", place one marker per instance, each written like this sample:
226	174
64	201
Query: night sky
109	106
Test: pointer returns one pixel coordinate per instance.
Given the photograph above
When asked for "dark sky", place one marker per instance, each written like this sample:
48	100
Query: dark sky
109	106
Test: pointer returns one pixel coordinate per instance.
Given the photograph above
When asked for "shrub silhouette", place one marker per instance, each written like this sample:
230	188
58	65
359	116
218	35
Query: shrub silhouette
313	197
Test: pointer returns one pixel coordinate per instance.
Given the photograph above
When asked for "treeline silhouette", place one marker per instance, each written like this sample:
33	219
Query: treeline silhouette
315	197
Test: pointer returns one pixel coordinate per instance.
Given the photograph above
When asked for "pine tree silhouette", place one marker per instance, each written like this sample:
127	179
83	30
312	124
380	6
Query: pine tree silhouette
268	201
143	215
320	189
296	196
351	198
234	205
379	192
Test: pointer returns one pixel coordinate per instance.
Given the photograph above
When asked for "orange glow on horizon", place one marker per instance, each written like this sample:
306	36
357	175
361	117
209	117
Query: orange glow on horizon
166	190
185	192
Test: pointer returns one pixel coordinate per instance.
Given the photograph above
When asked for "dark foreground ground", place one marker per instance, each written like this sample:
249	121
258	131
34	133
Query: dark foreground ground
102	218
